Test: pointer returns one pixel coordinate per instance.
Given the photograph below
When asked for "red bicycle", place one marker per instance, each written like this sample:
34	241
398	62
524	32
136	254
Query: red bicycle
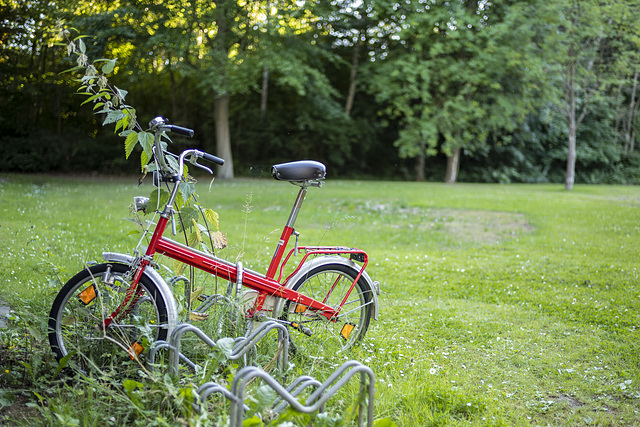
126	304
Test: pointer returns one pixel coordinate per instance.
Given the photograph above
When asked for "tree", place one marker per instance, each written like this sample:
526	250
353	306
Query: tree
457	71
575	45
624	42
592	47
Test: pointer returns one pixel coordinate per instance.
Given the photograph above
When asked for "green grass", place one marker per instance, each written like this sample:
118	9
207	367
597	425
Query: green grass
501	304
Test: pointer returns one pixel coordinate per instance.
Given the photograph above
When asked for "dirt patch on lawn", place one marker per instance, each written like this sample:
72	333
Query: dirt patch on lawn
479	225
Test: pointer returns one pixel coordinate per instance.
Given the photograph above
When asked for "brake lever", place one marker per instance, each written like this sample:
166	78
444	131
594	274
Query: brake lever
193	159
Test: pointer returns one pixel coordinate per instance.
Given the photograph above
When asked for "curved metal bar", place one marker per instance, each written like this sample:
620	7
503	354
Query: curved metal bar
161	344
241	347
317	399
174	344
151	356
302	383
211	300
212	387
206	389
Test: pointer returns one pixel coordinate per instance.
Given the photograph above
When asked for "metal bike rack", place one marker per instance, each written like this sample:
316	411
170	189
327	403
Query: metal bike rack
240	349
315	401
208	388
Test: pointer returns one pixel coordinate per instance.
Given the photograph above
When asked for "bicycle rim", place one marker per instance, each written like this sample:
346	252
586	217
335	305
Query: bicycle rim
329	283
76	332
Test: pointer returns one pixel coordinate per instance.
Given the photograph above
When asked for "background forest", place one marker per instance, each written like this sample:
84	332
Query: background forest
483	91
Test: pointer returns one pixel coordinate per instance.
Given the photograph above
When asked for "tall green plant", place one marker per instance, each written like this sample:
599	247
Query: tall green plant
109	100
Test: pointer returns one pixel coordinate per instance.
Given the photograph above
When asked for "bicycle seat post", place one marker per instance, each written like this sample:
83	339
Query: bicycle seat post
297	205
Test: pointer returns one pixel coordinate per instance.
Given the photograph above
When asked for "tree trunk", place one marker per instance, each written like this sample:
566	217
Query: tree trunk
265	89
453	166
223	140
571	118
352	78
629	135
571	156
420	162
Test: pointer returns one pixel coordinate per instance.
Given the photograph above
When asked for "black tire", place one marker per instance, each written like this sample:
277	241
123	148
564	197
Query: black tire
329	337
75	324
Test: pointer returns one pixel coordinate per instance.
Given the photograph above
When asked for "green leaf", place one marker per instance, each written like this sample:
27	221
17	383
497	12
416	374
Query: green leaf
130	143
93	98
192	239
113	117
144	159
131	385
225	345
71	70
212	218
82	46
108	67
188	189
384	422
265	396
132	389
146	141
196	230
157	199
188	216
253	421
121	92
123	123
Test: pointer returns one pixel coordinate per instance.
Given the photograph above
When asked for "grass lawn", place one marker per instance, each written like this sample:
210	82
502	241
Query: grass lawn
500	305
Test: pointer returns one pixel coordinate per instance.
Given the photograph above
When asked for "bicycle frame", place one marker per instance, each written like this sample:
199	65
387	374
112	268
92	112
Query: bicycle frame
265	285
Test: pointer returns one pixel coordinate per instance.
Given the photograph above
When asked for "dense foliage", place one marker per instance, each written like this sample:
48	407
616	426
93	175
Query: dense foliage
502	91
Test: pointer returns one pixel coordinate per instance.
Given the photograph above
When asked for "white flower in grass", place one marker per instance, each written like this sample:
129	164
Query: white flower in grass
433	371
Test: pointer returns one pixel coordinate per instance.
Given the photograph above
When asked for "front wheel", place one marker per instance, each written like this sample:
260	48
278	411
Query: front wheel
329	283
77	318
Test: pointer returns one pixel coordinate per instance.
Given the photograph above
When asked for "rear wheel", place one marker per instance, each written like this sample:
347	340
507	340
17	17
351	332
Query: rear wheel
329	283
77	316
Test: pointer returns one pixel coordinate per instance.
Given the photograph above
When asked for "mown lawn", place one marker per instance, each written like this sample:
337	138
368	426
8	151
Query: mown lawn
501	304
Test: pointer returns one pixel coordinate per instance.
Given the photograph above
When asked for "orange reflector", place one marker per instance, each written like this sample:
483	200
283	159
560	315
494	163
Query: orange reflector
135	350
347	329
301	308
88	294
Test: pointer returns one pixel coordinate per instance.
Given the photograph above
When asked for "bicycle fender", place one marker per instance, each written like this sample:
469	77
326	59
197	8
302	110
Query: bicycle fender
374	287
156	278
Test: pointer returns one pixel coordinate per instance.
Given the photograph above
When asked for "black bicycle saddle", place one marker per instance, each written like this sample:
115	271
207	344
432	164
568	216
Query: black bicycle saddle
303	170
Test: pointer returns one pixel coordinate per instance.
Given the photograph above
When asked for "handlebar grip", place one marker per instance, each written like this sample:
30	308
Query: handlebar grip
179	130
212	158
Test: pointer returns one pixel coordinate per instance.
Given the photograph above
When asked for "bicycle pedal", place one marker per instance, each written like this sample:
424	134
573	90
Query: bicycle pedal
194	316
197	294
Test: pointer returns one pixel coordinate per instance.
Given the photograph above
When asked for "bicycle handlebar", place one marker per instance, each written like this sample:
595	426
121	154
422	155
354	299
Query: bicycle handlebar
178	130
159	125
211	158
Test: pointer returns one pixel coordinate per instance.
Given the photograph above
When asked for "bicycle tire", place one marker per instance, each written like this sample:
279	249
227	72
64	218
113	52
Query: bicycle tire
85	300
328	337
